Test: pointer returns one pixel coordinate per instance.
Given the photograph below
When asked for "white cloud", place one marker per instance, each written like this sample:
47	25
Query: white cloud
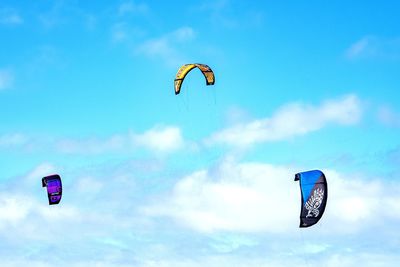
52	18
358	48
375	47
157	47
92	145
167	46
263	198
10	16
372	259
123	32
96	223
160	139
59	13
24	206
24	142
183	34
219	12
12	209
40	171
387	116
291	120
25	215
130	7
119	32
90	21
89	185
6	79
245	197
12	140
222	13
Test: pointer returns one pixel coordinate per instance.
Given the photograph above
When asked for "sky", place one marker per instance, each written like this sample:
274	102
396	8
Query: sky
204	178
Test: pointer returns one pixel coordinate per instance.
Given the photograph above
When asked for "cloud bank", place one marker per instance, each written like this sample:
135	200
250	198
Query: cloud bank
374	47
262	198
291	120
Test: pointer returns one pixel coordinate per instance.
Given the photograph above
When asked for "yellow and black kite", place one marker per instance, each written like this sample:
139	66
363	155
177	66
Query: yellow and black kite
184	70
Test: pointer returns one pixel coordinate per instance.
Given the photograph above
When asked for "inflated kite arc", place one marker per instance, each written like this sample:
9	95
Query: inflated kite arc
185	69
54	188
314	195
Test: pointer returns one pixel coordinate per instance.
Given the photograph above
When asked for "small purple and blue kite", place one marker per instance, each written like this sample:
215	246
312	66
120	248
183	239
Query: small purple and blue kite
54	188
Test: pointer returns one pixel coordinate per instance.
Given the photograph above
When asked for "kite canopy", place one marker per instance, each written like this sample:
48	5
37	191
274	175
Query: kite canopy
54	188
314	194
185	69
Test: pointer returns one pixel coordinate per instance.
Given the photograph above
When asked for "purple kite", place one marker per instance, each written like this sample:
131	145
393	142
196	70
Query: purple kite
54	188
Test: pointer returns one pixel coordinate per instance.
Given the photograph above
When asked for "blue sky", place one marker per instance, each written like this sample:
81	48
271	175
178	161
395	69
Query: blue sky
204	178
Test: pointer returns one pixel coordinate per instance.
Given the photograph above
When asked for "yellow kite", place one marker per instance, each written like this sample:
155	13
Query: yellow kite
184	70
